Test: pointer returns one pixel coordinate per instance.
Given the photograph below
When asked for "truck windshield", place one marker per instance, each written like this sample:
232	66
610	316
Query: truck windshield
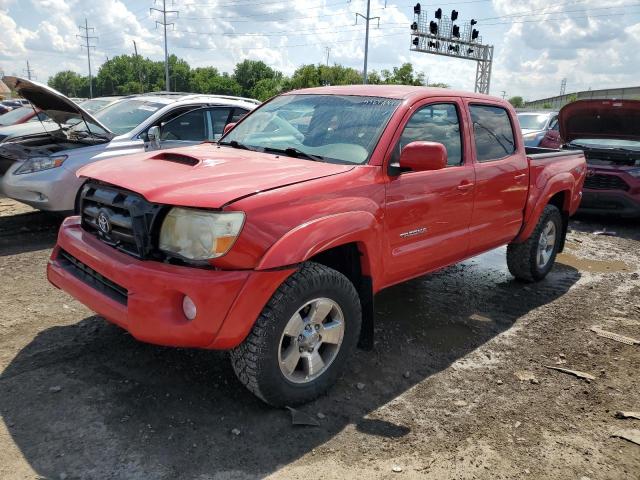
331	128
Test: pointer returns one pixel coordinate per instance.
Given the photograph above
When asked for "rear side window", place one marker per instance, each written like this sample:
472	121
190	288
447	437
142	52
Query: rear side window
492	132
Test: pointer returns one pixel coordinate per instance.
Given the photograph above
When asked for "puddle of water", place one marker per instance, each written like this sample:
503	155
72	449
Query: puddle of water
593	266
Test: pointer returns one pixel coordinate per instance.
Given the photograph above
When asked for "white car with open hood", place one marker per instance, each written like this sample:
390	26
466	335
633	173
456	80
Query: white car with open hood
40	170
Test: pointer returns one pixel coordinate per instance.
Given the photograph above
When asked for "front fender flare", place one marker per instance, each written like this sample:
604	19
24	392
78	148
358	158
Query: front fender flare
311	238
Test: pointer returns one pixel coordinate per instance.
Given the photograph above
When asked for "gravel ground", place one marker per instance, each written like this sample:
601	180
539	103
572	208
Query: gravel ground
456	386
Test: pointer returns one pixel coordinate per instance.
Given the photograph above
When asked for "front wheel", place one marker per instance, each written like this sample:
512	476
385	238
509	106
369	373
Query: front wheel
302	339
532	260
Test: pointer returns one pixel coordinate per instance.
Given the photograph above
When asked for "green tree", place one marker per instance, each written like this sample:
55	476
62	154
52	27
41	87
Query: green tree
517	102
69	83
267	88
439	85
249	72
403	75
306	76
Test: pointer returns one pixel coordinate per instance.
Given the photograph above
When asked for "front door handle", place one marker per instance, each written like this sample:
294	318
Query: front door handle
520	176
465	186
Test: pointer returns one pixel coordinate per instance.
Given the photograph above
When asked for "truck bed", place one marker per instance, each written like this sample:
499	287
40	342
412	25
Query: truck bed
537	153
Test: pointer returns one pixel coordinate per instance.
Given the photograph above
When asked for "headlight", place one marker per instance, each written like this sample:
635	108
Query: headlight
634	173
199	234
37	164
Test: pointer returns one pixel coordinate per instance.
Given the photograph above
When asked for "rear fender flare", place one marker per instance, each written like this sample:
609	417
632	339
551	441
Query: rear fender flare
306	240
562	182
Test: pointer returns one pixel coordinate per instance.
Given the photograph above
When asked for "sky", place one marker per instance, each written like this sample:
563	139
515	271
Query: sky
592	43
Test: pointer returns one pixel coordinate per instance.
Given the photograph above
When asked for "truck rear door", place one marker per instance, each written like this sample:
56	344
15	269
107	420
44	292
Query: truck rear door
428	213
502	177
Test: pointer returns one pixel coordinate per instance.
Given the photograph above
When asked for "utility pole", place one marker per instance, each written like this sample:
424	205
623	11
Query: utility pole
86	45
563	87
328	50
164	23
135	49
504	94
28	71
367	19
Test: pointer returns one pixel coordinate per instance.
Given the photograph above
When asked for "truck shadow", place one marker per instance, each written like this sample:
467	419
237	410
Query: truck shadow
89	401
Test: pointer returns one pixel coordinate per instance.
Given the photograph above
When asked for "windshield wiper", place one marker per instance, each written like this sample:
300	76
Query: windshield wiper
294	152
236	144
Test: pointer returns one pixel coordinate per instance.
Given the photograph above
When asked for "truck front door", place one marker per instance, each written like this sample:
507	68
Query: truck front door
428	213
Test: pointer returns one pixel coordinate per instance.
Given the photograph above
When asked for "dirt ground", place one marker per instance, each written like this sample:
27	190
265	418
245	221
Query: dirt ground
456	387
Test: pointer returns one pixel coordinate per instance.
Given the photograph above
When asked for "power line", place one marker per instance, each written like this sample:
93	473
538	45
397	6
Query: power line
86	37
164	23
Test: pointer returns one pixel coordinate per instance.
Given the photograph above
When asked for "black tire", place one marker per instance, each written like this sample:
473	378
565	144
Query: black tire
255	361
522	257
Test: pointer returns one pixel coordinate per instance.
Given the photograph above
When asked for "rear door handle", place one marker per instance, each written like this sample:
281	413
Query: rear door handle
465	186
519	176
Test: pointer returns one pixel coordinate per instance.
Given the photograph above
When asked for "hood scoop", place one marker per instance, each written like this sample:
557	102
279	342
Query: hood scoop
177	158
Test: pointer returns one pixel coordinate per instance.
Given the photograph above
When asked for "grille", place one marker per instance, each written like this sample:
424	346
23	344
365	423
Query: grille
605	182
119	218
5	163
89	276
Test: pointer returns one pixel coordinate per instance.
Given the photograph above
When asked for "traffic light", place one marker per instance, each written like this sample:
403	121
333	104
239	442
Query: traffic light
454	15
455	48
433	27
435	45
414	26
417	9
416	41
470	51
474	34
473	22
439	13
456	31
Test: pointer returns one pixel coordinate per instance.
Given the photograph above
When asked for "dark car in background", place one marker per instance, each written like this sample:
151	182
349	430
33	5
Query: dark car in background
535	124
608	131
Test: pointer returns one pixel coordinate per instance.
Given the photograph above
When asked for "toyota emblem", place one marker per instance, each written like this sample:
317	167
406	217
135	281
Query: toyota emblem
590	173
104	224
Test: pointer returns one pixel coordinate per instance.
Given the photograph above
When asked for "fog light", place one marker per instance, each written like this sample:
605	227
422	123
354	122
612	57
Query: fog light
189	308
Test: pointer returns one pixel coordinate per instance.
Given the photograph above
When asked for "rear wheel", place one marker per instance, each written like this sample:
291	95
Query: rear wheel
302	339
532	260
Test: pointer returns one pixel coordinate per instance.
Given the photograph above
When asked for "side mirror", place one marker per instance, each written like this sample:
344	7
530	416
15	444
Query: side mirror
228	127
153	134
423	156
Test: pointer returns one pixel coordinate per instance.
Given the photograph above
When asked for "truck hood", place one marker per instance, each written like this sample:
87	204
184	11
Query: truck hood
58	108
206	175
610	119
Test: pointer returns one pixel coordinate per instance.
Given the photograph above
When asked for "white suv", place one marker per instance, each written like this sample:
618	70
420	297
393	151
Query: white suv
42	168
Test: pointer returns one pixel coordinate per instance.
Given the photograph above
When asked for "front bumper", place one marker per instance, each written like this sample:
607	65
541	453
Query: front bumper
145	297
51	190
610	202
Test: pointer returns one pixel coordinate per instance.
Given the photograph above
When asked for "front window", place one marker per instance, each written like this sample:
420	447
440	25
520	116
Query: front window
530	121
121	117
331	128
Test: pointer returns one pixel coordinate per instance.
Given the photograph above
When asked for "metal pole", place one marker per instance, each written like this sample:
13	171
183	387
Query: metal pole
166	54
86	26
366	42
135	49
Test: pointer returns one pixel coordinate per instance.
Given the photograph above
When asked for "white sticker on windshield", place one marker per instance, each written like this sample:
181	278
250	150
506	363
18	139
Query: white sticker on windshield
147	108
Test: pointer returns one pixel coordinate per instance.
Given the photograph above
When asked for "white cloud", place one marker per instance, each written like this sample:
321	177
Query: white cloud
533	52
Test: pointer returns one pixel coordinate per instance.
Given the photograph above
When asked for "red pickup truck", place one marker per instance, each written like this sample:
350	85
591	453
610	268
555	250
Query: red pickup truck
272	242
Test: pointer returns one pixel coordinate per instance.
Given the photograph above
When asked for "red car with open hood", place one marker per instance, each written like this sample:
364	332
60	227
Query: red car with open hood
608	131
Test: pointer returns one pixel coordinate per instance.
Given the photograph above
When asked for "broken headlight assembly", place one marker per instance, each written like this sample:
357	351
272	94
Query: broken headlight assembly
199	235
